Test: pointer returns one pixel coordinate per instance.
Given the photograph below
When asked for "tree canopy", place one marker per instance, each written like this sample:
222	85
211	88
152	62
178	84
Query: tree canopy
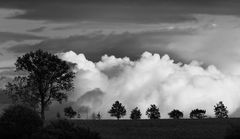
153	112
175	114
221	110
135	114
117	110
48	78
197	114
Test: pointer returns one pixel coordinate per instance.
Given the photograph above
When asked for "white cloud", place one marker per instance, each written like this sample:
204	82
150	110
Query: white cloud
154	80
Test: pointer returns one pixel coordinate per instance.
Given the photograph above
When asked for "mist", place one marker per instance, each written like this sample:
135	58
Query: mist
152	79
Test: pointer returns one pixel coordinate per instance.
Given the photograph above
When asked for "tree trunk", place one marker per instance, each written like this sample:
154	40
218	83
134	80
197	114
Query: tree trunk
42	111
42	100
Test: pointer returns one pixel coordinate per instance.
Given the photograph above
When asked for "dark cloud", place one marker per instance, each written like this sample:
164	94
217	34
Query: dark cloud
119	45
40	29
137	11
10	36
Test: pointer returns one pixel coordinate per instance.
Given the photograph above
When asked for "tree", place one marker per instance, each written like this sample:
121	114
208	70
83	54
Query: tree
78	115
58	115
48	78
69	112
99	116
117	110
153	112
175	114
197	114
21	92
135	114
220	110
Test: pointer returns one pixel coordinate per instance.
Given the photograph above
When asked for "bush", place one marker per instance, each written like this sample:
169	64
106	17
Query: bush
63	129
69	112
19	122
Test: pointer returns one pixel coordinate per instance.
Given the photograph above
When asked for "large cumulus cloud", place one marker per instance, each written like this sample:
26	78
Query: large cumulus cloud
152	79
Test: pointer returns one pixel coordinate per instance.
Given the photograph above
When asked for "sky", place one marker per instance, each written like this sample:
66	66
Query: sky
206	32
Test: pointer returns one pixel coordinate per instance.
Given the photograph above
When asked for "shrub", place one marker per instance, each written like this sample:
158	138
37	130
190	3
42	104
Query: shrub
63	129
19	121
69	112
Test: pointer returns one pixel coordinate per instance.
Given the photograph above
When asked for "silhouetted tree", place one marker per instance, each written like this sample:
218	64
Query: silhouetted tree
48	78
220	110
175	114
117	110
197	114
19	122
153	112
99	116
135	114
69	112
79	115
58	115
21	92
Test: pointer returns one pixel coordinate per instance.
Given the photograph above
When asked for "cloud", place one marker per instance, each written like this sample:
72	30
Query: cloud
151	80
40	29
10	36
96	44
213	40
155	11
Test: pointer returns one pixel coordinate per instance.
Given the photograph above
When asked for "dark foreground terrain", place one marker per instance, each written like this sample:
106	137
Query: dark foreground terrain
160	129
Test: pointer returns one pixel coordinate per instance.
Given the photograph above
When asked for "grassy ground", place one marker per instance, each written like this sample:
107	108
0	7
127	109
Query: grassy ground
160	129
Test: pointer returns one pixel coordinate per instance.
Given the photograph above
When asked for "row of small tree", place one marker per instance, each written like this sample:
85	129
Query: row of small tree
119	111
71	113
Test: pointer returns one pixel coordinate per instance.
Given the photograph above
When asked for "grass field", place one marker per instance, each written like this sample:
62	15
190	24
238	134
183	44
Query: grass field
160	129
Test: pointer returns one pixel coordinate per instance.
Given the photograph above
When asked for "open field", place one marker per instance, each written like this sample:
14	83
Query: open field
160	129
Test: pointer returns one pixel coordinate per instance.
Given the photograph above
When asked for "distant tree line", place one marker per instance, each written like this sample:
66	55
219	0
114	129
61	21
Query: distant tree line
153	112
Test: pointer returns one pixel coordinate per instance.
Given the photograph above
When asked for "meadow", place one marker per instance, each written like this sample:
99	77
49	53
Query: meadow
161	129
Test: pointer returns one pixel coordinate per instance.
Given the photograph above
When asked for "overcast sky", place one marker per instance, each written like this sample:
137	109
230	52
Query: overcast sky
206	30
